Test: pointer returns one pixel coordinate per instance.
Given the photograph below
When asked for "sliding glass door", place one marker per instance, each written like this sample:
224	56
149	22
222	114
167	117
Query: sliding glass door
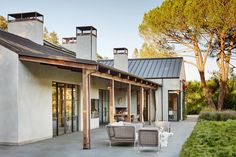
65	108
103	106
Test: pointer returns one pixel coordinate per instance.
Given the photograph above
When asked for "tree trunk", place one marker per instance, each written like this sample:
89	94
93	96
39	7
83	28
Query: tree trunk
223	63
206	90
221	97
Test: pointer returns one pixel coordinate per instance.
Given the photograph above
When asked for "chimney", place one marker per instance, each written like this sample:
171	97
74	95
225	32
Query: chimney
121	59
28	25
69	43
86	42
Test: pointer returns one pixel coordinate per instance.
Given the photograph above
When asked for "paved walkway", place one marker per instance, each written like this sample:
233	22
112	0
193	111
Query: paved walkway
70	145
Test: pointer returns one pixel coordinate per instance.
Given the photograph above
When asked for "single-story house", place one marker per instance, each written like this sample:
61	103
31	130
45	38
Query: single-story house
48	90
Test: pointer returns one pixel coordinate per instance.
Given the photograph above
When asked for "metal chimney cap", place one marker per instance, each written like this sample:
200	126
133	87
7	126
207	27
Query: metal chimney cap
120	50
86	30
25	16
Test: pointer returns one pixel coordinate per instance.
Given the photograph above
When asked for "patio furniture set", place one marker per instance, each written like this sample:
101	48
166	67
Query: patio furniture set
139	134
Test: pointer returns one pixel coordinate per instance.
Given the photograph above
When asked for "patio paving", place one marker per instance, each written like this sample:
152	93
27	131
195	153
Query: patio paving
71	145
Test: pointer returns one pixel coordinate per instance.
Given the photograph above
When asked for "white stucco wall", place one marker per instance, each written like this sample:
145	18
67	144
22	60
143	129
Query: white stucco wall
8	96
70	46
30	29
86	47
35	98
121	62
153	106
167	84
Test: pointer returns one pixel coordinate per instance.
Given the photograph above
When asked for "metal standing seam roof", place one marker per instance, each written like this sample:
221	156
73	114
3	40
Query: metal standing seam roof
152	68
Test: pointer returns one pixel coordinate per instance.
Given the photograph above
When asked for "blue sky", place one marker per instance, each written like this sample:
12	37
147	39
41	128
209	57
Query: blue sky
117	22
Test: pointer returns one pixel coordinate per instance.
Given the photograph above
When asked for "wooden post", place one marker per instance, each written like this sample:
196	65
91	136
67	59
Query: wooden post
86	108
145	107
129	102
111	102
141	104
150	106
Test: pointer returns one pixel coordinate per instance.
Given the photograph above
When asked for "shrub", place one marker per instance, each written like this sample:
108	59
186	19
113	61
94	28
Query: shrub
211	139
218	116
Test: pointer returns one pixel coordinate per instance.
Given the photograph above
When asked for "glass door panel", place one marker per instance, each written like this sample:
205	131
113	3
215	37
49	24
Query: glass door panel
54	109
68	109
104	106
145	107
75	109
173	105
64	108
61	107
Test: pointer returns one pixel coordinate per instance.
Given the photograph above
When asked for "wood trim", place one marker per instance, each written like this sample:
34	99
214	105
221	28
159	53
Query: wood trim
56	62
111	102
129	102
115	78
86	109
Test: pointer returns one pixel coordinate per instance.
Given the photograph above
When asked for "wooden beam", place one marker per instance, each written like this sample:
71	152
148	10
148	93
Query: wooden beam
111	102
86	108
57	62
115	78
141	103
150	105
129	102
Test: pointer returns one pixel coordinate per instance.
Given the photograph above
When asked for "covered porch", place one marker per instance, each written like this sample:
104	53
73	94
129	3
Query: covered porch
128	96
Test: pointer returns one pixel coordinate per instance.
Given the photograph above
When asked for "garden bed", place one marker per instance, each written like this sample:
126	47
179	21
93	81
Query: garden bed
211	139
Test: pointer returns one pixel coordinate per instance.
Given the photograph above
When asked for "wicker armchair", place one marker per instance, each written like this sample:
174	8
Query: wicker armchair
148	137
121	134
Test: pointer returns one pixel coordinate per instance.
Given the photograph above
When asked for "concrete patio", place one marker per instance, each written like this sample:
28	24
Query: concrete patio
71	145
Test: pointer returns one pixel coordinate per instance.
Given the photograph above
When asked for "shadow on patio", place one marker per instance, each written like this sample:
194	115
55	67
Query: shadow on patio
71	145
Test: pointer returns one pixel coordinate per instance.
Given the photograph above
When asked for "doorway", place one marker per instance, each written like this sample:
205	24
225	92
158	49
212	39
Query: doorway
65	100
173	105
103	106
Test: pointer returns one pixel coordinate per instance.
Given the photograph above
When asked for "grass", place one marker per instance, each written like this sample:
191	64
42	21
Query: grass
211	139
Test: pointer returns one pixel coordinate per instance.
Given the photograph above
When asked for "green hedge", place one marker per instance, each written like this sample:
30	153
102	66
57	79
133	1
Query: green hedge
218	116
211	139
